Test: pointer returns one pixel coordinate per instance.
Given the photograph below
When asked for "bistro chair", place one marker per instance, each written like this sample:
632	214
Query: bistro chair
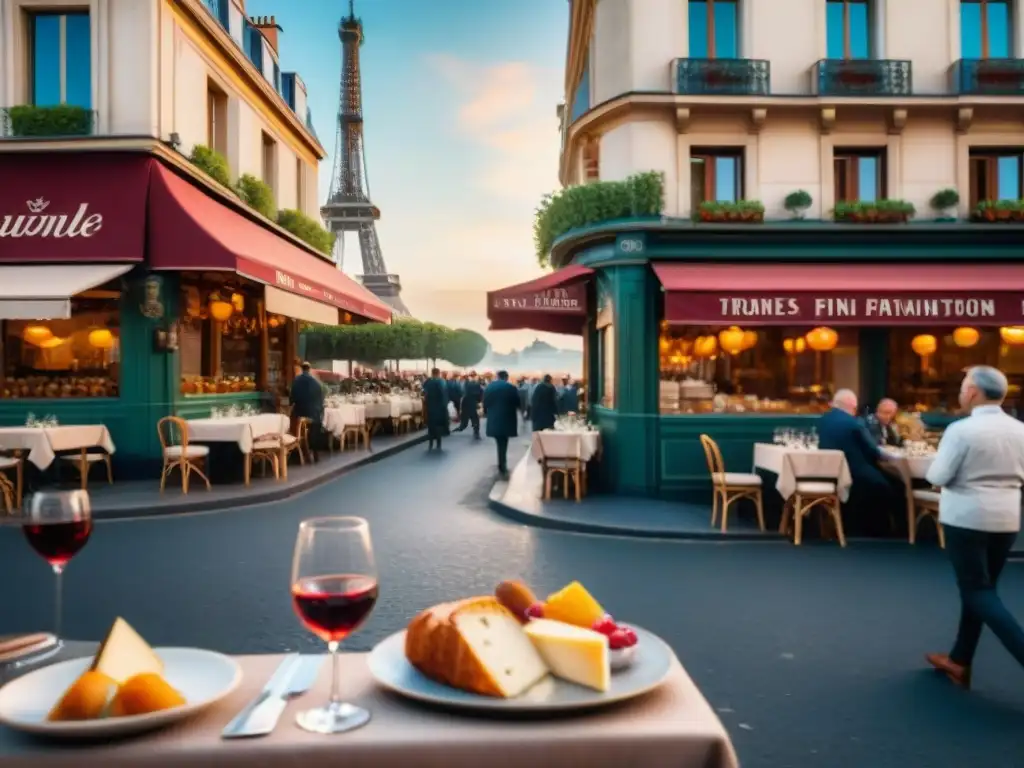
11	492
570	468
925	505
355	433
730	487
299	442
83	462
178	454
822	494
266	449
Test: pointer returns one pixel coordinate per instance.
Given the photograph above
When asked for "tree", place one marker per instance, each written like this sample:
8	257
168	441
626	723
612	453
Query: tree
464	348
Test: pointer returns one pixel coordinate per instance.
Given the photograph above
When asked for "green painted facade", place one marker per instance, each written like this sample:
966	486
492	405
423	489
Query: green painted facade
648	454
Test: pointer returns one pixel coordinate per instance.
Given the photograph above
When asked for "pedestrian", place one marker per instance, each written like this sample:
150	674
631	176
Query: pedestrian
980	468
435	409
472	396
501	409
544	405
307	399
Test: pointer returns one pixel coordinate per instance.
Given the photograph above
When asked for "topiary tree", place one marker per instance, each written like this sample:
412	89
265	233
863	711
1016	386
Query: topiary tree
464	348
212	163
257	195
306	229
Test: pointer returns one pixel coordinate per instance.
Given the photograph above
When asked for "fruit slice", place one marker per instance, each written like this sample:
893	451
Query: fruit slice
86	699
145	693
573	605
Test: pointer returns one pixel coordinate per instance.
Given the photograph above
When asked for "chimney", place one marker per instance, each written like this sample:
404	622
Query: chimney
268	27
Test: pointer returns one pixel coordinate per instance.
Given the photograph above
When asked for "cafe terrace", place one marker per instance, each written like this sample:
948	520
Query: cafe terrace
133	288
738	331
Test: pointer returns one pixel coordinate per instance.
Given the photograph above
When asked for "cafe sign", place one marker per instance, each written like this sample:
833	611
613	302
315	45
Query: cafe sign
920	309
569	301
39	221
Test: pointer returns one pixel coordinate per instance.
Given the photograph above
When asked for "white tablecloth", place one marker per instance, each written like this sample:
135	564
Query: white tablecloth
910	468
237	429
802	464
345	415
565	445
43	443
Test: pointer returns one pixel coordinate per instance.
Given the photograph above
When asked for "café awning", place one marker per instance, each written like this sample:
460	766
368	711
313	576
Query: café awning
189	230
843	294
44	291
556	303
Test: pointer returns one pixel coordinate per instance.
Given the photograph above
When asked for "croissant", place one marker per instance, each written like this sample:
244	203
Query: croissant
475	645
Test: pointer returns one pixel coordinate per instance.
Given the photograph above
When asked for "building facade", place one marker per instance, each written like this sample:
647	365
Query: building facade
767	200
136	282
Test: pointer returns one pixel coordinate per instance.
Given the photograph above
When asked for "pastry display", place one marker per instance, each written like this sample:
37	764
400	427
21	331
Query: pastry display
210	385
125	678
59	387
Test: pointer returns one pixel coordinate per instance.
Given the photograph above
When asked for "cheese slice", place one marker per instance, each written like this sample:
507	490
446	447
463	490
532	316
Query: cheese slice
573	653
502	650
124	654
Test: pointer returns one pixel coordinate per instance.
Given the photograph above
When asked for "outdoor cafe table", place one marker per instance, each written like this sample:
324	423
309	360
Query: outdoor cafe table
672	727
566	444
241	430
803	463
44	443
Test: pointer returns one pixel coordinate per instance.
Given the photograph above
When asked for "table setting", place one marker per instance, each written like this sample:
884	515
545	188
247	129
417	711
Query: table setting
794	454
44	438
464	681
571	437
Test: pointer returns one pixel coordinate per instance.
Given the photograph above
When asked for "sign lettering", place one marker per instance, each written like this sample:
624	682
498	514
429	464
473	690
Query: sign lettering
562	300
631	245
38	223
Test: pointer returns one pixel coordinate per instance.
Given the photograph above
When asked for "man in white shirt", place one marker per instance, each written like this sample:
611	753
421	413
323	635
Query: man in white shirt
980	468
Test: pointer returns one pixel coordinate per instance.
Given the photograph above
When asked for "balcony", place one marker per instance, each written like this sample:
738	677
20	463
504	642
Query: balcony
722	77
987	77
862	77
31	122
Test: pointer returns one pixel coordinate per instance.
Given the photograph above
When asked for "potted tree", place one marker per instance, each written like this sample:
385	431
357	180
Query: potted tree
944	202
798	202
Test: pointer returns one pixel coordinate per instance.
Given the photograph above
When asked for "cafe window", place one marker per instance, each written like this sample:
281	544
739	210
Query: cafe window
859	175
606	337
714	29
269	162
716	175
996	175
65	358
848	29
986	29
60	59
718	369
216	118
591	160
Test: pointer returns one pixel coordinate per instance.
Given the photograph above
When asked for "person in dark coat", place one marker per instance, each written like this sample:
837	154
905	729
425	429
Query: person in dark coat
454	389
881	424
472	396
307	398
501	408
435	409
568	397
875	496
544	405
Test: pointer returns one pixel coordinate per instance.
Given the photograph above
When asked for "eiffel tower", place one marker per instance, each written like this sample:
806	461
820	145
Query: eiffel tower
348	208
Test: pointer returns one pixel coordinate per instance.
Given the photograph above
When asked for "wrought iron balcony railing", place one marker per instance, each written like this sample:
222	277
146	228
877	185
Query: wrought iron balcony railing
31	122
987	77
862	77
722	77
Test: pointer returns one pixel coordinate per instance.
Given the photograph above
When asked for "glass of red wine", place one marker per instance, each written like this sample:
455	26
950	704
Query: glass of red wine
57	525
334	588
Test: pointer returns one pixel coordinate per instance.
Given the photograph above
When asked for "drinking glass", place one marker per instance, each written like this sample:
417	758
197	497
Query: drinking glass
57	525
334	588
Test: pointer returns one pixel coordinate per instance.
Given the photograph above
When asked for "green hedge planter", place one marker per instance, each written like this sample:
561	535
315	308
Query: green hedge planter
999	211
27	121
877	212
307	230
740	212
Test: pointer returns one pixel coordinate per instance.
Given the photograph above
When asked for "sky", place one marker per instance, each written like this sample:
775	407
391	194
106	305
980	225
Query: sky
462	138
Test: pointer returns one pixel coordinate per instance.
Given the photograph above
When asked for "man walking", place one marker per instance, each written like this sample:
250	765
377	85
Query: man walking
501	408
980	468
472	395
435	409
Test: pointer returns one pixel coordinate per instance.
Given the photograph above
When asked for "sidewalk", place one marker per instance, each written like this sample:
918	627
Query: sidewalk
142	498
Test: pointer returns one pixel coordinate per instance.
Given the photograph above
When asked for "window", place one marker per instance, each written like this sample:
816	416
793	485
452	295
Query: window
581	99
606	338
859	175
269	163
277	77
591	160
300	185
254	45
60	59
716	175
996	174
714	29
288	88
216	118
986	31
848	29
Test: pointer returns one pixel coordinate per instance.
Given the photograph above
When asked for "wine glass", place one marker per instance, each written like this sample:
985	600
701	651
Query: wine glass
57	525
334	588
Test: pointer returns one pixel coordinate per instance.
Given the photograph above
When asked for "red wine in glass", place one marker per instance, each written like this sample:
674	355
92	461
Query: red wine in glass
333	607
58	542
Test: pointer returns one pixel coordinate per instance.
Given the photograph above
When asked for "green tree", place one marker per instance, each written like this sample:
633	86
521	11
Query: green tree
464	348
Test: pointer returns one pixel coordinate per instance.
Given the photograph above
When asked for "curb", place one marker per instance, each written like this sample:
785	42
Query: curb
197	503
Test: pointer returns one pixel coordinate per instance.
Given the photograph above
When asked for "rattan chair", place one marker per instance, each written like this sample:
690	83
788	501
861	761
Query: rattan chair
298	443
571	469
11	493
730	487
266	449
83	461
178	454
820	494
925	505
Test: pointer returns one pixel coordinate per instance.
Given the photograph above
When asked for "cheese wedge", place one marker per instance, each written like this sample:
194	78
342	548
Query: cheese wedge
495	641
124	654
572	653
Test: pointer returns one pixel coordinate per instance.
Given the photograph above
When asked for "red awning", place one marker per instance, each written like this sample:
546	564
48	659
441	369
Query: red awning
189	230
843	294
556	303
75	208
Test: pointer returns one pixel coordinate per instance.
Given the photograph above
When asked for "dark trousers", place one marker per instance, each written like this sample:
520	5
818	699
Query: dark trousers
502	444
470	415
978	558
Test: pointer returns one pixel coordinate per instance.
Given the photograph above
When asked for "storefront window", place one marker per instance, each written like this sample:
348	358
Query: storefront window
706	369
76	357
607	339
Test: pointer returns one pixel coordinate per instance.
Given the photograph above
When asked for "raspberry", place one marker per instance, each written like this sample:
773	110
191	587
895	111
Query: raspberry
618	640
605	625
535	611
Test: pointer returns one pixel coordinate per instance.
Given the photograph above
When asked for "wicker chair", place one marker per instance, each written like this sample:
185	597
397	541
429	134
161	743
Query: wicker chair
925	505
178	454
298	443
814	494
83	462
730	487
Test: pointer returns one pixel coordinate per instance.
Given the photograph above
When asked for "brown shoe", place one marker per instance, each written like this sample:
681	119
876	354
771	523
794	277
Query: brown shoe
959	674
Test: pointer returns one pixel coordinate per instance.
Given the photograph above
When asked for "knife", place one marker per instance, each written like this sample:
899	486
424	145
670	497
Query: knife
264	716
275	688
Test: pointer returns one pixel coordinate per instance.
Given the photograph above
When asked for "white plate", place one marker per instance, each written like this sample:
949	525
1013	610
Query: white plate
649	669
202	677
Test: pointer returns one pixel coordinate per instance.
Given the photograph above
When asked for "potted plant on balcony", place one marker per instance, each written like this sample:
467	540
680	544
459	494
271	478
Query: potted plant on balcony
28	120
998	211
798	202
875	212
740	212
944	202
